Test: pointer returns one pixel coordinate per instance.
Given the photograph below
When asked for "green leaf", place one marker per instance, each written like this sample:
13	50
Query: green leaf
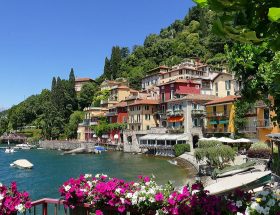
274	14
201	3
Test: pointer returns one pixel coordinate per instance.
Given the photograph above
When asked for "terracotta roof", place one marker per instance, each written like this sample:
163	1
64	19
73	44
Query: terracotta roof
134	91
83	79
226	99
187	81
122	87
144	102
221	73
120	104
195	97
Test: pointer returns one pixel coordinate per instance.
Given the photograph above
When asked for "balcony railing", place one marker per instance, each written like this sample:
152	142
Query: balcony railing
176	130
49	206
198	112
265	123
175	113
111	113
218	114
93	123
216	130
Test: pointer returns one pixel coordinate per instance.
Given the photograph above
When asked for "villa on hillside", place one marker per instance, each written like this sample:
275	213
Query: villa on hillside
80	82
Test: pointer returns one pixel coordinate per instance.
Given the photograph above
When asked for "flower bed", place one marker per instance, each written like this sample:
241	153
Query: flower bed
105	194
13	201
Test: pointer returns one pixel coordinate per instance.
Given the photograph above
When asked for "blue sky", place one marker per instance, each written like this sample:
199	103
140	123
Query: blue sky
40	39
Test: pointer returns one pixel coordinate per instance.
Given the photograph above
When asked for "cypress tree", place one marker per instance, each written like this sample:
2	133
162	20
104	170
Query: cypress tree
116	58
53	84
71	91
107	69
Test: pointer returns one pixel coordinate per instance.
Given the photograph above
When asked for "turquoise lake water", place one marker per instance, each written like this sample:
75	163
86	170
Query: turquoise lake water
51	169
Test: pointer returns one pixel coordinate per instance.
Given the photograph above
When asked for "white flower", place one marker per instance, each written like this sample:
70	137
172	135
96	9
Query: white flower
128	195
1	184
118	190
89	184
136	184
238	204
67	188
122	200
142	199
88	175
1	196
147	183
152	199
97	175
20	208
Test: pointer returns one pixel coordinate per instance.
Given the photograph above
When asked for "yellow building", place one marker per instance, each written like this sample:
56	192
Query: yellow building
263	123
220	116
223	85
117	94
141	114
92	116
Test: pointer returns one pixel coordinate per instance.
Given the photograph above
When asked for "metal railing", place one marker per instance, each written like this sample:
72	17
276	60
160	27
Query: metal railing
198	112
175	113
264	123
217	114
216	130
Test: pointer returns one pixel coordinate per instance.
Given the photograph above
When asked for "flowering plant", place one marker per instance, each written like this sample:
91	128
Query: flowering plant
266	202
13	201
146	197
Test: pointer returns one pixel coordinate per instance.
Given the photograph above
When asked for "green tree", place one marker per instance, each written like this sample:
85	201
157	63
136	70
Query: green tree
86	95
72	126
115	61
107	69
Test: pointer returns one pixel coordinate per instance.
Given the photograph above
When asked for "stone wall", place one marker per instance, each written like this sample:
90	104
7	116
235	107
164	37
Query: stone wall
65	145
133	145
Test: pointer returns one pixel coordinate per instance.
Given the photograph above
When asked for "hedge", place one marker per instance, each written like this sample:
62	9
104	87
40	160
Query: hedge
259	150
181	149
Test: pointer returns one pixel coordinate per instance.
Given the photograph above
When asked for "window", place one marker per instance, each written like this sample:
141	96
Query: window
147	127
216	88
214	110
228	84
162	97
138	107
228	93
225	109
138	117
172	94
180	72
163	109
225	127
147	107
147	116
169	75
139	127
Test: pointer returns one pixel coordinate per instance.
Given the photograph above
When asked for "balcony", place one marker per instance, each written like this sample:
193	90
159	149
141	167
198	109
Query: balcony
198	112
93	123
216	130
264	123
113	113
175	113
218	114
176	130
248	129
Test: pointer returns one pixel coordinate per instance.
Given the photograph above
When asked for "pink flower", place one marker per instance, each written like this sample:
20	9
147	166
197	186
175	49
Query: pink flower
159	197
147	179
98	212
121	208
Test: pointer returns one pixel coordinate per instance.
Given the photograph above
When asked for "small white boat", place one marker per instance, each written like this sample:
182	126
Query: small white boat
9	150
23	146
22	164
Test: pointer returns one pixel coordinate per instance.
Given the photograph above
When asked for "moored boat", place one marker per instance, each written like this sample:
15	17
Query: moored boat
22	164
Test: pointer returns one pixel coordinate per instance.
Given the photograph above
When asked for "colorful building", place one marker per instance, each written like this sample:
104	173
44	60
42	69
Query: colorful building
153	77
174	89
92	117
220	116
117	115
141	114
80	82
223	85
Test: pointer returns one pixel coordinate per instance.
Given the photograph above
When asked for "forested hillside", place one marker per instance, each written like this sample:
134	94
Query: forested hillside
57	111
190	37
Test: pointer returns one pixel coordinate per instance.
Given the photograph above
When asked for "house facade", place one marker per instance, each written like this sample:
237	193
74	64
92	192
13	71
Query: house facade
80	82
92	117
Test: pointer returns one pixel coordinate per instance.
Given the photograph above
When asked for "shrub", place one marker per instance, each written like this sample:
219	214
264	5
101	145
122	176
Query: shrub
216	155
181	149
276	164
259	150
208	143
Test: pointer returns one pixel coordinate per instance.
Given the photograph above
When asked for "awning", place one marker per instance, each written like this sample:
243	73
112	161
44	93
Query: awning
165	137
223	121
175	119
213	122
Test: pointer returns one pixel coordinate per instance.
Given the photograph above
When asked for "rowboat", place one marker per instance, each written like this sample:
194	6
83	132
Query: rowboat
245	181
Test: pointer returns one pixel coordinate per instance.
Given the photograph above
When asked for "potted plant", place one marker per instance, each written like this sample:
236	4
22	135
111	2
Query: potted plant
13	201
